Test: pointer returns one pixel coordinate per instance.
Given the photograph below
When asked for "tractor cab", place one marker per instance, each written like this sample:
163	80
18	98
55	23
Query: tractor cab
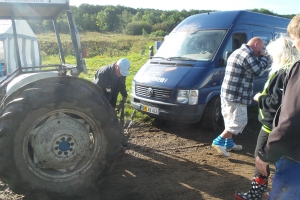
19	49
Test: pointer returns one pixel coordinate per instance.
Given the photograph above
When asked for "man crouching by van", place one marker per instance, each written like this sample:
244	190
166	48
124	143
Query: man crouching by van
112	80
236	92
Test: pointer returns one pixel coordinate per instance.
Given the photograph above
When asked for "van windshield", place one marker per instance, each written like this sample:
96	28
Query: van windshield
201	45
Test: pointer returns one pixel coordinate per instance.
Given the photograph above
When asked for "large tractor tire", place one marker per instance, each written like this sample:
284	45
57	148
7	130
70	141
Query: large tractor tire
212	116
57	135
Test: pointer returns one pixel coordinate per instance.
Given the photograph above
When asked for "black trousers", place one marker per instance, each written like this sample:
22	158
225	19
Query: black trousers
261	141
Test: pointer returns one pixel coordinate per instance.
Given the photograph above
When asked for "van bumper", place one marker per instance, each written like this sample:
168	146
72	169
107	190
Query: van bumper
170	112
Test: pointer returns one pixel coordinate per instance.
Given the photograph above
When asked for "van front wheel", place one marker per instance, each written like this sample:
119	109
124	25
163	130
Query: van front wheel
212	114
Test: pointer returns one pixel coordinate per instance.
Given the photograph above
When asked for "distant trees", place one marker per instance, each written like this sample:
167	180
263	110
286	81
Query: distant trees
108	20
137	27
130	21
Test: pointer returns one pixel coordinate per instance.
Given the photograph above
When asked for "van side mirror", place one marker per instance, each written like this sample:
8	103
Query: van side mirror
151	52
228	53
221	62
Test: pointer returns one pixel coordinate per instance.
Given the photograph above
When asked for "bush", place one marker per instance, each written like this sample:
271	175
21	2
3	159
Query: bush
161	26
159	33
136	28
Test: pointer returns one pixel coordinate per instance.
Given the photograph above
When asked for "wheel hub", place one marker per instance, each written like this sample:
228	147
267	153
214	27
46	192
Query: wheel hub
64	146
61	142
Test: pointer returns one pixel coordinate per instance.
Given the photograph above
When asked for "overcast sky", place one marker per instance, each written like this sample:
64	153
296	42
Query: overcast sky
276	6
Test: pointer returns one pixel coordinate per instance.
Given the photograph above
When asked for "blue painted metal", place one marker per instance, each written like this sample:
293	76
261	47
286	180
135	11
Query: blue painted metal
64	146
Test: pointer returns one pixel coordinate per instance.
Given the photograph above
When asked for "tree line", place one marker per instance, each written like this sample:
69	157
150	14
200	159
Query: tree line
126	20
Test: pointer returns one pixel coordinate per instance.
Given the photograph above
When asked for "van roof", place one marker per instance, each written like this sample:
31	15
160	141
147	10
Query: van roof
37	10
225	19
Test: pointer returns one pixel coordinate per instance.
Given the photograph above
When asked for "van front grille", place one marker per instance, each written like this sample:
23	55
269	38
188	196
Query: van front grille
157	93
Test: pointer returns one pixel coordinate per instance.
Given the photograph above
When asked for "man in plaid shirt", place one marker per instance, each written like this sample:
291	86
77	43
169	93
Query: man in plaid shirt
236	93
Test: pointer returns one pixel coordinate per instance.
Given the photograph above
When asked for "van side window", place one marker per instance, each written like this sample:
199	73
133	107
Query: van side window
238	40
234	43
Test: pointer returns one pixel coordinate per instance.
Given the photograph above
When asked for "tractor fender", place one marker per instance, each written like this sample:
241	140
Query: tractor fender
25	79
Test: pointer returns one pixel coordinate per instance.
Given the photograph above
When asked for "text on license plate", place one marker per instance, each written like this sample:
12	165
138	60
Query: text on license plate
150	109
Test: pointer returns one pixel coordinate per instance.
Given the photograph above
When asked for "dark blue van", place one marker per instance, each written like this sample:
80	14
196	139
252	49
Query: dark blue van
182	81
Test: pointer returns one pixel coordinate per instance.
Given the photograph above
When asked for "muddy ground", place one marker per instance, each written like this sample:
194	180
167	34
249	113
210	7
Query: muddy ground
174	161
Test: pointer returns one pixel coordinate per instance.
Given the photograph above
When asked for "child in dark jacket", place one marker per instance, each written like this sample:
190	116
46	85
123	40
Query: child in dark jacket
283	56
282	147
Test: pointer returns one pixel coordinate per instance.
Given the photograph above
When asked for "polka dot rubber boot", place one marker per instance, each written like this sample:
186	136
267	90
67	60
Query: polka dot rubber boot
259	186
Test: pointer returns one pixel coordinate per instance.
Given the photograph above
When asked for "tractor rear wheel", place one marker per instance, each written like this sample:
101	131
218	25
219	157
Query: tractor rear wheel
58	135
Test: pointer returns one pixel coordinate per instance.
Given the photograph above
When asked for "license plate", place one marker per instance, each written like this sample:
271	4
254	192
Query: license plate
150	109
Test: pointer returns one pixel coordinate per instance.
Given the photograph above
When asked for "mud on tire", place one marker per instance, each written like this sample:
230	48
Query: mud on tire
57	135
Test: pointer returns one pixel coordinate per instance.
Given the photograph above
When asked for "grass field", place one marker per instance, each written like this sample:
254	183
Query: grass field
136	58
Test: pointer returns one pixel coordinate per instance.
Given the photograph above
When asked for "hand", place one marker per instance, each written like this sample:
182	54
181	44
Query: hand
263	53
255	98
261	166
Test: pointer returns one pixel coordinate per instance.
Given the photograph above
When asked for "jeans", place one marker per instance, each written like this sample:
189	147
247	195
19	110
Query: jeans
286	181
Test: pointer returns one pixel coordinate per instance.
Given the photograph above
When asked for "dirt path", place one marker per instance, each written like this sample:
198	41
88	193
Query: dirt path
175	161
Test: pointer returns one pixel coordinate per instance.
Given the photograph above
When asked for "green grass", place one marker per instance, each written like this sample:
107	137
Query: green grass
102	49
136	62
96	44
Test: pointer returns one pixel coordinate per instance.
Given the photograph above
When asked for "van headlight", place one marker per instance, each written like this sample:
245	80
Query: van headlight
187	96
133	87
193	97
